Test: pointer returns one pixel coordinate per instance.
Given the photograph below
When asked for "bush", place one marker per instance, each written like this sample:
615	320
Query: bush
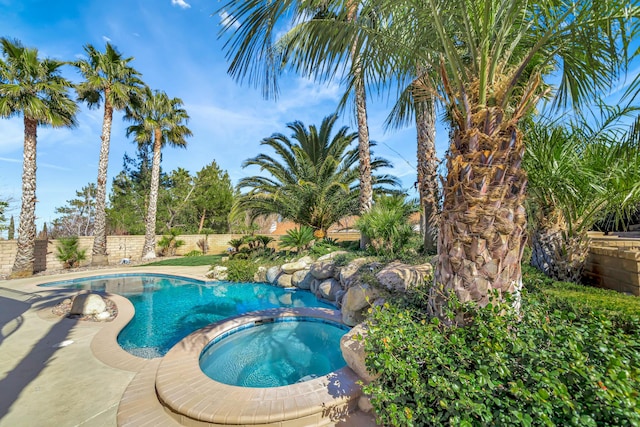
547	365
299	238
194	252
169	243
387	224
69	252
240	270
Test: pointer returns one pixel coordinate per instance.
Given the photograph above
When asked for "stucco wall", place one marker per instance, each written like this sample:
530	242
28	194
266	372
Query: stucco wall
119	247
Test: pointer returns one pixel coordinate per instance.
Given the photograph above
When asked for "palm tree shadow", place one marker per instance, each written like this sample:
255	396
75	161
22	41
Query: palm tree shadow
38	358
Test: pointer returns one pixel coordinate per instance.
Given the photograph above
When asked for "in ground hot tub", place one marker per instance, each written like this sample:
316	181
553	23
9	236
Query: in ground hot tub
194	398
276	351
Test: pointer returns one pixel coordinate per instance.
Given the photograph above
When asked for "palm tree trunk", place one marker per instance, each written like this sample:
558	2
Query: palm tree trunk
482	227
559	253
25	256
364	154
149	249
100	230
427	171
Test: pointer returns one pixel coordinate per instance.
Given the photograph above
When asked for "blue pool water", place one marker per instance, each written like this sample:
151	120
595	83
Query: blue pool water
169	308
280	353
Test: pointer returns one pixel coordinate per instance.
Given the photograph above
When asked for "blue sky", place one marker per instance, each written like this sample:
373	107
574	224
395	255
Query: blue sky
176	49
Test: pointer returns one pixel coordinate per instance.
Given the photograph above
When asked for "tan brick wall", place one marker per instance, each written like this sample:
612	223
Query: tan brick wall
119	247
614	262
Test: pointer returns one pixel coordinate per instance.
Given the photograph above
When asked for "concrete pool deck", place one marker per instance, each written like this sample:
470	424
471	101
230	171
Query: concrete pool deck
49	372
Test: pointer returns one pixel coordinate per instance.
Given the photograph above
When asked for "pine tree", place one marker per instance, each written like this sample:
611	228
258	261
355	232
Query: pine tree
12	228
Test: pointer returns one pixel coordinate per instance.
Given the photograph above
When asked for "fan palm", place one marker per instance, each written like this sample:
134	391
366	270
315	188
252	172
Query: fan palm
315	181
111	80
578	173
34	88
158	120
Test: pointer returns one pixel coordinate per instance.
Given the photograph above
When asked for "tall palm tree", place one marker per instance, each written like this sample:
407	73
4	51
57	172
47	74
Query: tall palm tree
34	88
492	57
314	182
108	78
318	12
579	172
158	120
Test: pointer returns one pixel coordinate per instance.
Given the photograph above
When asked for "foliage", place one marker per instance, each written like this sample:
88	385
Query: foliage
188	261
77	216
69	252
178	203
3	207
241	270
579	172
312	181
11	230
386	224
299	238
194	252
325	246
169	243
550	364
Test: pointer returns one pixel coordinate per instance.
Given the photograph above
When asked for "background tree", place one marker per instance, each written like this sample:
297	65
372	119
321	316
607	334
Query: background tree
111	80
214	197
313	181
12	229
129	193
579	172
33	88
78	215
158	120
3	208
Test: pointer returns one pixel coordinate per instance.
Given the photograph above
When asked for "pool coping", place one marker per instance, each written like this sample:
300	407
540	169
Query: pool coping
193	398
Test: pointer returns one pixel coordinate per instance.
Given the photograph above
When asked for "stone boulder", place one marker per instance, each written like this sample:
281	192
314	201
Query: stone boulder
328	289
218	273
307	260
356	301
400	277
273	273
349	273
323	269
352	347
261	275
292	267
314	286
87	304
302	279
284	280
332	255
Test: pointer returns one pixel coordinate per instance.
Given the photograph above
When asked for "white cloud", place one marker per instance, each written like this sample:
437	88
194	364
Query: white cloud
106	39
6	159
183	4
227	19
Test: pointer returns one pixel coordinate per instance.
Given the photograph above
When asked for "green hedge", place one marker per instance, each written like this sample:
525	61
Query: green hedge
558	361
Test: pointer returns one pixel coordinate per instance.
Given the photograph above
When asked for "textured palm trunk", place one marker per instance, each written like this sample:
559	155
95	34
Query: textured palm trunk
24	262
364	154
482	226
427	171
100	229
149	249
559	253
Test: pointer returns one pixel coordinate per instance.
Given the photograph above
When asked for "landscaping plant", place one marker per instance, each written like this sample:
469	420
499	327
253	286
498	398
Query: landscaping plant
69	252
299	238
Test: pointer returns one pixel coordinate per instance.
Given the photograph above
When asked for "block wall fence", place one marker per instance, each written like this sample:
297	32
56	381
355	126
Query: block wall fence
614	262
119	247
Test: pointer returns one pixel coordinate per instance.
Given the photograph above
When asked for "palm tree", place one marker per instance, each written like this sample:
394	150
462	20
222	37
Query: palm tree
492	57
578	174
315	181
286	43
158	120
109	79
34	88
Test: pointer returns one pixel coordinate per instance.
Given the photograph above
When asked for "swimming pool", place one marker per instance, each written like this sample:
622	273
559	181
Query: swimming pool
168	308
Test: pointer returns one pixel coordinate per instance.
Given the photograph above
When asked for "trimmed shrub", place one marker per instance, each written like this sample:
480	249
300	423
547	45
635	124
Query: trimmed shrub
240	270
547	365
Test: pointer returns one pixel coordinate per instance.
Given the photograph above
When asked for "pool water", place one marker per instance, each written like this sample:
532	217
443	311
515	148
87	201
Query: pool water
169	308
284	352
